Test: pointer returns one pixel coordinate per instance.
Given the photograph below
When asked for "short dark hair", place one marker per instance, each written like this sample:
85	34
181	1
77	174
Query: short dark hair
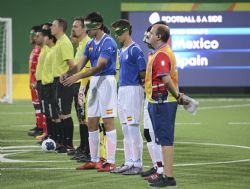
36	28
95	17
81	19
164	32
49	34
62	23
123	23
46	24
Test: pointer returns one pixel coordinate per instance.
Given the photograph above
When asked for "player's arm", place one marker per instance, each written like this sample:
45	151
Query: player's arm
138	56
74	68
170	86
70	63
91	71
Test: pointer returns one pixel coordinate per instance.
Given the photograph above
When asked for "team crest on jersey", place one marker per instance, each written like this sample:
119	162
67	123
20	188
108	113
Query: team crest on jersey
109	111
129	118
163	63
91	48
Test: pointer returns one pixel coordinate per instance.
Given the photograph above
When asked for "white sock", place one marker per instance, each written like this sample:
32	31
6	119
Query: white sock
159	170
111	146
156	148
94	146
157	152
127	146
137	144
150	146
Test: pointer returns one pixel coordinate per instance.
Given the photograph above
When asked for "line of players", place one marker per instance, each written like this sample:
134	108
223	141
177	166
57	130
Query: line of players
62	77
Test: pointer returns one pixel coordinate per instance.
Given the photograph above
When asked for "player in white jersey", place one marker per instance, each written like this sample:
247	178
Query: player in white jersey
130	97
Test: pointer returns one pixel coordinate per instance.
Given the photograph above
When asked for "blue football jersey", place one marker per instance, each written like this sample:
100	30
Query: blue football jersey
105	48
132	62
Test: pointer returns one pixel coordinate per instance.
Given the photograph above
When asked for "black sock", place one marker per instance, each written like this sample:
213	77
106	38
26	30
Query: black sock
68	128
49	128
59	132
103	129
84	135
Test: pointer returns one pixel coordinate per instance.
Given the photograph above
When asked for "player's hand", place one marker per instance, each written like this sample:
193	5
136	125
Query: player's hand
70	80
63	77
181	100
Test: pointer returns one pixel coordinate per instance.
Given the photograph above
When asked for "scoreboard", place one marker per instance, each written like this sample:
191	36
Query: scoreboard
212	48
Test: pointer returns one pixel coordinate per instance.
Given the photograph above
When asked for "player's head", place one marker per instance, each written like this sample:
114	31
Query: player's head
122	29
146	37
59	27
48	37
40	37
46	25
33	32
93	23
159	33
78	29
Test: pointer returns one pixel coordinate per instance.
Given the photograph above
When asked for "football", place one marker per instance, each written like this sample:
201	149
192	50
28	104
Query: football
48	145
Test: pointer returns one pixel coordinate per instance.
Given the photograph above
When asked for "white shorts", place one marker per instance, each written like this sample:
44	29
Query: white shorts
147	120
130	102
102	98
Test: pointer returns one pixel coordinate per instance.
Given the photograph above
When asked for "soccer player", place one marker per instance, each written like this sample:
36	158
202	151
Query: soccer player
47	89
161	86
80	38
64	94
130	97
44	49
102	99
33	60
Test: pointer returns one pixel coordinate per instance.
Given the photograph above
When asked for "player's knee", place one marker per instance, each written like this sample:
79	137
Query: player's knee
147	135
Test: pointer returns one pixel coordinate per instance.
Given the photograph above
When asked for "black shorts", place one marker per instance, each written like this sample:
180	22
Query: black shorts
48	101
64	97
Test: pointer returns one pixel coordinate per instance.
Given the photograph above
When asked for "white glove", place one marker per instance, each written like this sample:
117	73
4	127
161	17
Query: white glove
192	104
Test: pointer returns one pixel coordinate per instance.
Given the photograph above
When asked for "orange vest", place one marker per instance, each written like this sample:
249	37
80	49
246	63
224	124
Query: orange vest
173	73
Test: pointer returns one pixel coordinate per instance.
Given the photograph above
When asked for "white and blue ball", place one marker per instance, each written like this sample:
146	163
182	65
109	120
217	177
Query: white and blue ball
48	145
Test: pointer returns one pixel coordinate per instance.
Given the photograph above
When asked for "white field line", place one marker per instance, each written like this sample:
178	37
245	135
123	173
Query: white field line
146	166
238	123
212	163
223	99
190	123
16	113
224	106
200	108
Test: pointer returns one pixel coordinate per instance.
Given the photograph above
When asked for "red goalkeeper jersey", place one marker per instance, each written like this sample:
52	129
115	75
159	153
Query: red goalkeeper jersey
33	63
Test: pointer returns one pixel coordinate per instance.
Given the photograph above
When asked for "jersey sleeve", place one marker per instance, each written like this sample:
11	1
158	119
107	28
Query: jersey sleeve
87	49
162	64
138	57
108	49
67	51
